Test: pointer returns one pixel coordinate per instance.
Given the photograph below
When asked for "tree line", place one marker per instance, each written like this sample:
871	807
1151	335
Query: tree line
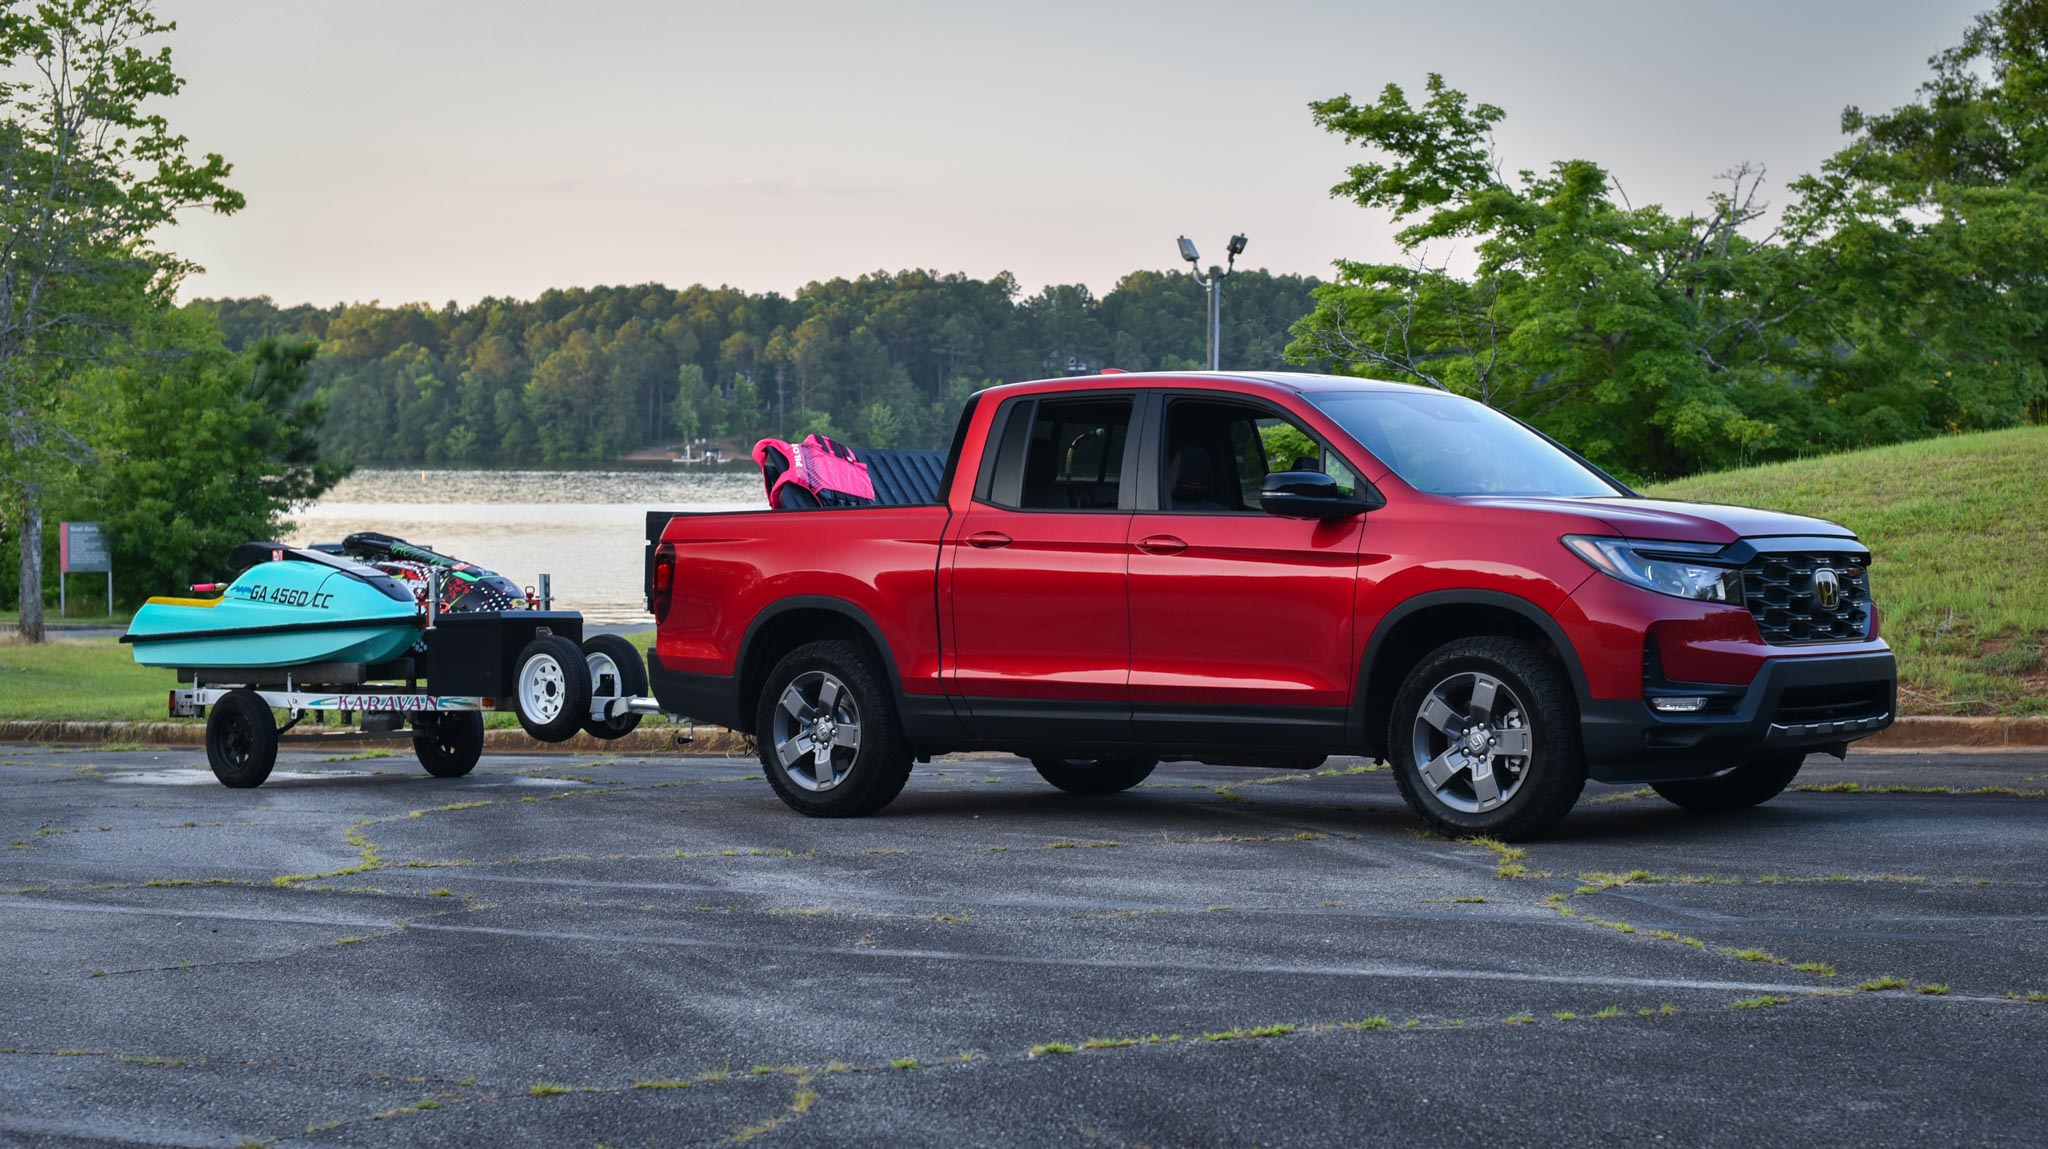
585	375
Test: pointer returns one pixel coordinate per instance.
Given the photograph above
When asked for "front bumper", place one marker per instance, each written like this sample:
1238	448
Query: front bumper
1810	702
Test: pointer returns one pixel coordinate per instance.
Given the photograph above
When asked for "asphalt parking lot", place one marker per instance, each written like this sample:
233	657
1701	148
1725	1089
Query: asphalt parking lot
577	952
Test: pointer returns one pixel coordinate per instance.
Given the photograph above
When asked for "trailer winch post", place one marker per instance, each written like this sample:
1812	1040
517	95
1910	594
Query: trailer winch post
547	592
433	596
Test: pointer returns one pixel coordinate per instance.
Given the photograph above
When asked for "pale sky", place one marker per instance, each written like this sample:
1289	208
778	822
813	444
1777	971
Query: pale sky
422	151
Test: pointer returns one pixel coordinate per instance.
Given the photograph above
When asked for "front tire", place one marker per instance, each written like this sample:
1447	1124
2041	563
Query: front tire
449	744
1484	738
1110	775
1751	784
241	740
831	743
551	688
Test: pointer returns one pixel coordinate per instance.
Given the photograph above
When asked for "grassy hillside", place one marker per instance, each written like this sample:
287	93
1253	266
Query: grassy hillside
1959	530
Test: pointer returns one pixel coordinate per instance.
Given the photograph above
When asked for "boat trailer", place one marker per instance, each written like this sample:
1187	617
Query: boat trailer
534	663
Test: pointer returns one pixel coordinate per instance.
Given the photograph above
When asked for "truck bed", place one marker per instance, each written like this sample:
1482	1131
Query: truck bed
901	479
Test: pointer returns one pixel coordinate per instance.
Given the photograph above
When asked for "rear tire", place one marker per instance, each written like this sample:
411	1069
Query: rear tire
241	740
1107	775
615	672
449	744
1461	718
1751	784
835	695
551	688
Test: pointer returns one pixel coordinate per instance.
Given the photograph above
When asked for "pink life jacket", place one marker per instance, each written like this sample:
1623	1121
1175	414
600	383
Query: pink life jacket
824	470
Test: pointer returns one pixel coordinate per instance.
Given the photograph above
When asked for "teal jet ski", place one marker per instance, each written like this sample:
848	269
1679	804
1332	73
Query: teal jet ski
290	607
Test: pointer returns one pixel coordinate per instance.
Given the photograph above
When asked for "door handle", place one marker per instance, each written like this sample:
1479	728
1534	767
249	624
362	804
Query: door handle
1162	545
988	540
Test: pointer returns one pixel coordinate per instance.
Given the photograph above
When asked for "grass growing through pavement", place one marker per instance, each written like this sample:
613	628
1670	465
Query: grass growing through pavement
1941	516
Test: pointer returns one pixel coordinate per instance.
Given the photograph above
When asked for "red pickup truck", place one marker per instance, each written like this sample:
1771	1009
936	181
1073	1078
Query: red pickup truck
1266	569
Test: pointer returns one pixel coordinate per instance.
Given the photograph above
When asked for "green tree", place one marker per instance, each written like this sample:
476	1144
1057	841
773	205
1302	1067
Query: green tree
90	170
1935	249
746	418
694	412
1619	327
881	426
1659	343
197	448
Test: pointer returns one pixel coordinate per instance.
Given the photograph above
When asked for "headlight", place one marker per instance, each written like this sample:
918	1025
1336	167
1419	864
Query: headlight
1667	568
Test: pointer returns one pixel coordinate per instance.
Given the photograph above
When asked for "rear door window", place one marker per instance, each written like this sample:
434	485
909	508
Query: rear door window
1072	456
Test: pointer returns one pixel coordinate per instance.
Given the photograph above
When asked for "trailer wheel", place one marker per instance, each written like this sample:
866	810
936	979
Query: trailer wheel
551	688
615	672
241	740
448	745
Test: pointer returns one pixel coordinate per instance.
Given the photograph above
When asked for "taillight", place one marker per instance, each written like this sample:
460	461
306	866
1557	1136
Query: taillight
664	580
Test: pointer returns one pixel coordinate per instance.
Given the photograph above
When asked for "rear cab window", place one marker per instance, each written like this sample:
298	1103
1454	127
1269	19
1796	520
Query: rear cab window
1061	453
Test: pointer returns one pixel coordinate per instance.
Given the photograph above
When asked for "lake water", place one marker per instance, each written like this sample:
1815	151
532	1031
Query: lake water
584	528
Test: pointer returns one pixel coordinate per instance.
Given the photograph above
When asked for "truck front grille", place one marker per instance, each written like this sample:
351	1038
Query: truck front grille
1781	590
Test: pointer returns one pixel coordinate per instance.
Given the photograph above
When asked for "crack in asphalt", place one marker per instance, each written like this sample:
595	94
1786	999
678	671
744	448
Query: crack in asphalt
1288	969
1063	905
467	1092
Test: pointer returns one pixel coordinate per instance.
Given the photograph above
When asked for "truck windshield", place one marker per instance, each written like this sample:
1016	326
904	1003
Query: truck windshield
1448	445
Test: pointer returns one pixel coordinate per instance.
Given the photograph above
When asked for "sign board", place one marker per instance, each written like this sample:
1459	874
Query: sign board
82	549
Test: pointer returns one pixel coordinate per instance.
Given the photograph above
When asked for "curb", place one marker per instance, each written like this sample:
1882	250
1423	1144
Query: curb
1936	733
1915	733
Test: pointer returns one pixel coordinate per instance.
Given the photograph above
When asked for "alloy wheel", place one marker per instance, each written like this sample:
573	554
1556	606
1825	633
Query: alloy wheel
817	730
1472	742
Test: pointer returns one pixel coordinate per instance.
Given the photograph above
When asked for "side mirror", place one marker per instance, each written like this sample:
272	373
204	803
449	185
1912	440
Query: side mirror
1307	495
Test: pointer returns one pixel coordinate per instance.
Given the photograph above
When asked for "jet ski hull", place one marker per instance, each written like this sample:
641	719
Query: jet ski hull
283	613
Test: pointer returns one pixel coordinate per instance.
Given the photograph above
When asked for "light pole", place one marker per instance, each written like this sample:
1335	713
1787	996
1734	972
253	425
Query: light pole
1213	284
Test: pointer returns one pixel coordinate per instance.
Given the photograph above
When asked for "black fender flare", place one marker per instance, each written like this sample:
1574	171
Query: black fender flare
838	606
925	718
1501	600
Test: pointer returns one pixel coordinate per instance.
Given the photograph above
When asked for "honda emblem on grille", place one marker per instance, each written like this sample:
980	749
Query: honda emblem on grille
1827	589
